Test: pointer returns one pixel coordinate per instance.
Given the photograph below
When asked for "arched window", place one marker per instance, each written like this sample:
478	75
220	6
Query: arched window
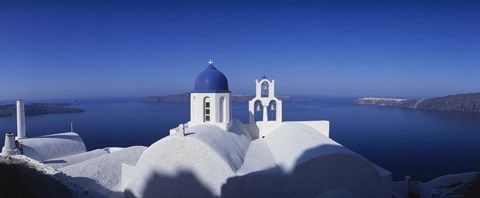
206	109
222	109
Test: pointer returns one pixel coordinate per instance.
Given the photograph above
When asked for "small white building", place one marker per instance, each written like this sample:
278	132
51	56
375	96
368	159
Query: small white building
210	101
44	147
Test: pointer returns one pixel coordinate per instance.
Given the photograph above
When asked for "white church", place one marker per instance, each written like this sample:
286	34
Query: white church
212	155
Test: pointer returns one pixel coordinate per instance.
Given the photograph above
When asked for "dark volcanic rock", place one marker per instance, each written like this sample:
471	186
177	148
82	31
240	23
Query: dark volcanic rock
461	102
38	108
20	180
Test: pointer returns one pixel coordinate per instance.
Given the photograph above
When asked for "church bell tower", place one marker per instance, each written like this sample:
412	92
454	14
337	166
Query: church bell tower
265	100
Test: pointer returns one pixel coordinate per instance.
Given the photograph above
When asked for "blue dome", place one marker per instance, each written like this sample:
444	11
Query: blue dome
211	81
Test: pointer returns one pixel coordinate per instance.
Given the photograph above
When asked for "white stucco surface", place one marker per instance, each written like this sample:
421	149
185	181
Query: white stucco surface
307	164
290	142
294	160
231	145
322	126
194	165
75	159
257	158
103	174
262	129
9	148
52	146
220	109
315	165
21	129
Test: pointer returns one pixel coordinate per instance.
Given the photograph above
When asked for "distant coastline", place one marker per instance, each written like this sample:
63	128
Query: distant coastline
185	98
461	102
39	108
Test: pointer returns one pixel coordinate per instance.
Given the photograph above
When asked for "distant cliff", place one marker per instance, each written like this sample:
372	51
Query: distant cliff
185	98
38	108
461	102
174	98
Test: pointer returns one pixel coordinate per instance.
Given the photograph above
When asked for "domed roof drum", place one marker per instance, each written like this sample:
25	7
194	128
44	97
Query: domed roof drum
211	81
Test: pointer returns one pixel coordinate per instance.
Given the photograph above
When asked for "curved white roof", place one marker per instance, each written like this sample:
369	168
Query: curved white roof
200	161
305	164
52	146
293	143
75	159
294	160
103	174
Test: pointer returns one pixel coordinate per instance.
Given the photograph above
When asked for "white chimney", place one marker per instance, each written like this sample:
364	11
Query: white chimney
21	131
10	148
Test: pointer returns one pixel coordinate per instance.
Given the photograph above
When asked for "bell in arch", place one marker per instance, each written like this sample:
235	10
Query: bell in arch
273	107
258	107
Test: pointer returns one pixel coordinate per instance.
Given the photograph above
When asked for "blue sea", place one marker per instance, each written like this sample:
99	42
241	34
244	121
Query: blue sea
419	143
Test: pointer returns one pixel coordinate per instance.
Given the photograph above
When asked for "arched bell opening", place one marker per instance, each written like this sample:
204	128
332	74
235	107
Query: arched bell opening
272	110
265	89
258	111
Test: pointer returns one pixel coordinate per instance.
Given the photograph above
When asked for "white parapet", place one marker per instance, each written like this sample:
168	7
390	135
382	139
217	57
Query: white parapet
262	129
9	148
21	130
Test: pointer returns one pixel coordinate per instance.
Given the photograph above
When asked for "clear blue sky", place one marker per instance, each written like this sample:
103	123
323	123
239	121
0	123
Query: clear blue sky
75	49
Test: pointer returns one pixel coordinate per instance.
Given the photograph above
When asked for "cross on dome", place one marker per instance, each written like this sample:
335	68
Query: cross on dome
210	62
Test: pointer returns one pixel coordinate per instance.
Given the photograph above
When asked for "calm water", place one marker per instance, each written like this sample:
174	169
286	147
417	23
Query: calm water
423	144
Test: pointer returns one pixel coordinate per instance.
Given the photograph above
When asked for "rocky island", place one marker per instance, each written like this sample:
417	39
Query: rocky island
461	102
38	108
185	98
